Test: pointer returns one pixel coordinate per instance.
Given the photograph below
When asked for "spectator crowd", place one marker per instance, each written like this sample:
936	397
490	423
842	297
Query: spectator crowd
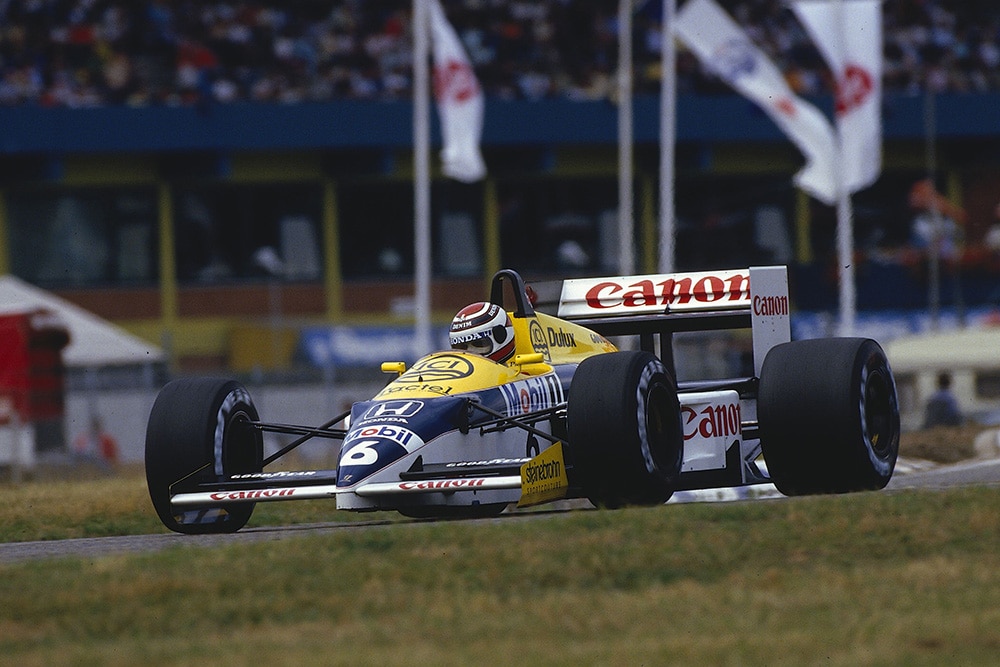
85	53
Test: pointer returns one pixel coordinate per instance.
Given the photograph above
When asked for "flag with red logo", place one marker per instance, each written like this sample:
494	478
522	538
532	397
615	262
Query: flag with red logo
849	35
724	48
459	101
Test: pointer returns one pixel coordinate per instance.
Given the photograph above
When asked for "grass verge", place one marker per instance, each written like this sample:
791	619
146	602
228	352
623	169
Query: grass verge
906	578
118	504
90	503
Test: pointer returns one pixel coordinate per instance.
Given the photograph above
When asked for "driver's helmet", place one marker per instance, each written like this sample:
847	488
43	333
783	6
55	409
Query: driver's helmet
483	328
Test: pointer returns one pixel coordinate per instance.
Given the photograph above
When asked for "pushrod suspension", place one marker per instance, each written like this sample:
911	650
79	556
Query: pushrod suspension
307	433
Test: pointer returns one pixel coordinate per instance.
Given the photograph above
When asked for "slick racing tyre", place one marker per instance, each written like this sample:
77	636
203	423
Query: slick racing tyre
828	416
199	431
624	428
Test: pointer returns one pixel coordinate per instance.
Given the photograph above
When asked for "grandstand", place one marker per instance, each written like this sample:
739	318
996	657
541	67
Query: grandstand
197	172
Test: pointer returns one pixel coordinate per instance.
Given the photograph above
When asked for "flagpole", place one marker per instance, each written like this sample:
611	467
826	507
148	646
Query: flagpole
850	39
668	125
845	254
934	247
421	180
845	213
626	224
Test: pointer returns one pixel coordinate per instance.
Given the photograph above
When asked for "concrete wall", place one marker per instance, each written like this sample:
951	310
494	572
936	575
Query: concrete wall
125	413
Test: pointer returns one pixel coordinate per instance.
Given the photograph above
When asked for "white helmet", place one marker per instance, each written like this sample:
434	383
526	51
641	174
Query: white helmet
483	328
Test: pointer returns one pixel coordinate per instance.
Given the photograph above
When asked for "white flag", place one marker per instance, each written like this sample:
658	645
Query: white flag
459	101
724	48
849	35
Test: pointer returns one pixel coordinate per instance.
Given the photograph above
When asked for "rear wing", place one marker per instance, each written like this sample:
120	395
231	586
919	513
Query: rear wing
660	305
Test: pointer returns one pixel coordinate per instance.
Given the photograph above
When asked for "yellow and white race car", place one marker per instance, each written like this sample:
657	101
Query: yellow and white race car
566	415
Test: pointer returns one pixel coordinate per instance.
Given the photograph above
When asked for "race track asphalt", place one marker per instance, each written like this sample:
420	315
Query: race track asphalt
910	475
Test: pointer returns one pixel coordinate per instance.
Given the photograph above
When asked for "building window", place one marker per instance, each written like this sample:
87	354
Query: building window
84	238
559	226
376	225
988	385
731	221
232	233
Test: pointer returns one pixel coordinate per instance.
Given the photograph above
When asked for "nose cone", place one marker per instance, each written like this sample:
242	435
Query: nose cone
368	449
383	432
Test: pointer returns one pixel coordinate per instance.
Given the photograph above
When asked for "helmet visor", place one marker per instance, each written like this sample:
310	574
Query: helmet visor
481	345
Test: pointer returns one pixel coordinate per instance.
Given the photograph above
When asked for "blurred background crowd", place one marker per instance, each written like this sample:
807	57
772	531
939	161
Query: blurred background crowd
84	53
239	250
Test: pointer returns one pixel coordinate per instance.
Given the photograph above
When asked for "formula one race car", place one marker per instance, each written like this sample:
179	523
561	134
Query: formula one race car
568	415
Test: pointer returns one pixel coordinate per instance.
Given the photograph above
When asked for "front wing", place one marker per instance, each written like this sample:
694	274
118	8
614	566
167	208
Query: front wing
326	489
544	474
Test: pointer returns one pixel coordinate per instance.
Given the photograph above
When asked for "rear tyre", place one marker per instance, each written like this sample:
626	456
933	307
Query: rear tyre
624	428
199	431
828	416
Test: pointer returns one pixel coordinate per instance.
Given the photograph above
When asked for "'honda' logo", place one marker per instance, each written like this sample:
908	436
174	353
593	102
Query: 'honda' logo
393	409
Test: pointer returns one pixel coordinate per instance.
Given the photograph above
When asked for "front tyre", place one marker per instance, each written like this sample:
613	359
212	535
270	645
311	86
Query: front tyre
624	428
199	431
828	416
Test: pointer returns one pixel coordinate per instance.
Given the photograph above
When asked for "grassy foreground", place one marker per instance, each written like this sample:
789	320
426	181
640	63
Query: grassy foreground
906	578
105	505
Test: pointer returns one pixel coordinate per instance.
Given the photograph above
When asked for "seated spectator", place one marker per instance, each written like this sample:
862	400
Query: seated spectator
942	407
937	223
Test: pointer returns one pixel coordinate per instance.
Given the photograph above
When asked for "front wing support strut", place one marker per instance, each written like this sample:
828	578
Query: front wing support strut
504	418
298	441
